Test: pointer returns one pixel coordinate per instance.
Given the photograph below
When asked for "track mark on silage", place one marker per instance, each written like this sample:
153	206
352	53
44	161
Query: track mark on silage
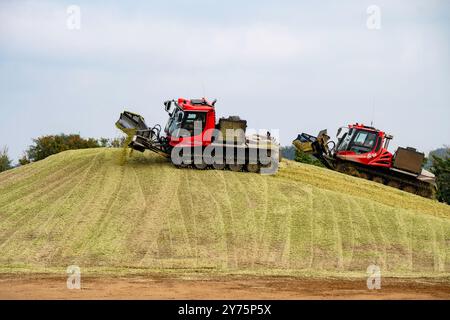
212	218
352	233
231	233
242	193
80	212
311	206
443	245
34	169
190	205
264	220
285	261
73	187
161	198
258	182
143	211
55	188
403	230
382	236
36	236
104	215
178	193
363	215
336	232
39	194
436	264
180	216
44	168
20	194
172	200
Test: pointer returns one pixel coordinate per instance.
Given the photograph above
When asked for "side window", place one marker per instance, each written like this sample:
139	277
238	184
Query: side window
174	122
344	142
378	144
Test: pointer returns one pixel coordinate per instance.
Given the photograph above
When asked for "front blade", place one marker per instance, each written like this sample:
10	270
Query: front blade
130	122
303	142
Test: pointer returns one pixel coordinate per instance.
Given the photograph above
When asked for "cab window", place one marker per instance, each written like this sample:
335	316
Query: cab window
364	142
344	141
191	118
174	122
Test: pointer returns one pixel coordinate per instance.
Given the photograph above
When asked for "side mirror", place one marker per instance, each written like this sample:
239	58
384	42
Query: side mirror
167	105
214	102
338	132
180	117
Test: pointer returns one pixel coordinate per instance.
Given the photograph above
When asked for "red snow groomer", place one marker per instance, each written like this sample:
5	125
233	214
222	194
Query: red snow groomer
362	151
192	126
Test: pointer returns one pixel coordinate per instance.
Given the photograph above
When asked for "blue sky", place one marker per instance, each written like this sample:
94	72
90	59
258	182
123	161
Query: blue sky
296	66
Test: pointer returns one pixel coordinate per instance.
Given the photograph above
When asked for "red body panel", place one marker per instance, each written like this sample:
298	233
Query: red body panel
383	158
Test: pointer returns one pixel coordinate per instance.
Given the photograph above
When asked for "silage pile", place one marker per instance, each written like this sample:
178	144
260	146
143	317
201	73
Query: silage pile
81	207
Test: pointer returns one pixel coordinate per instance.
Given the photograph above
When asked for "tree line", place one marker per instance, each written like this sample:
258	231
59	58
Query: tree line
45	146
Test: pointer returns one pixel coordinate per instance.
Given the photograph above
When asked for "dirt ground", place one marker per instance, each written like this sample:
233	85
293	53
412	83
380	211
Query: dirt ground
45	287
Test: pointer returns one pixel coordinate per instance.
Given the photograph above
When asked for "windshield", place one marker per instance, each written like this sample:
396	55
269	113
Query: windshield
193	119
364	141
358	141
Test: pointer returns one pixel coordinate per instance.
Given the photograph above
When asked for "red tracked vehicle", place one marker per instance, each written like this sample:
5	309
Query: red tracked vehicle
362	151
203	143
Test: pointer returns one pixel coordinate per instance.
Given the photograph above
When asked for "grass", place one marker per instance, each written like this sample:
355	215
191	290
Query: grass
82	207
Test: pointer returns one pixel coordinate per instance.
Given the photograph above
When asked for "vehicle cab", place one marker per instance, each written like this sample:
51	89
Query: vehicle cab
189	121
363	144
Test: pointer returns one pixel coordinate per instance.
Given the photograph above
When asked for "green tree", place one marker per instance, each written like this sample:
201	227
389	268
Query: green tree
288	152
5	161
24	160
52	144
104	142
441	168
